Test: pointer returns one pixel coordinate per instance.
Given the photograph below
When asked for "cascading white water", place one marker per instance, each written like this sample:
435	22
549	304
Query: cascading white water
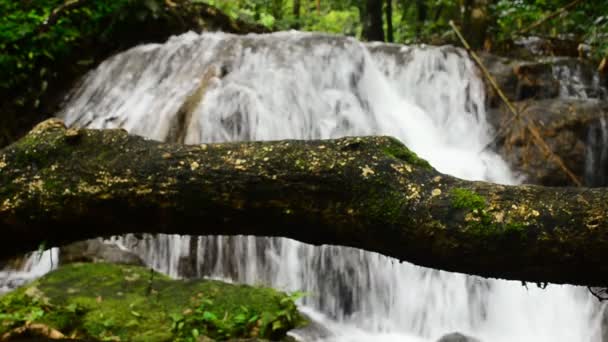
34	265
596	154
218	87
577	79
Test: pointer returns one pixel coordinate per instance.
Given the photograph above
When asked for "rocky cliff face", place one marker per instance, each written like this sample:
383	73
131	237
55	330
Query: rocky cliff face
565	98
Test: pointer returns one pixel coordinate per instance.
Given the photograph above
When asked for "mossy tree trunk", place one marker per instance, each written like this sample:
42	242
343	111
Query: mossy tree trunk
59	185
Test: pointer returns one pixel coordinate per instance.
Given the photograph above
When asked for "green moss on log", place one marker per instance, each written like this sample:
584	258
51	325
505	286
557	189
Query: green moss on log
467	199
394	148
130	303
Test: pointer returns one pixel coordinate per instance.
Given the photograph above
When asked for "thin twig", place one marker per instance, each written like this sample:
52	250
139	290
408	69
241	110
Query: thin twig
531	127
547	17
58	12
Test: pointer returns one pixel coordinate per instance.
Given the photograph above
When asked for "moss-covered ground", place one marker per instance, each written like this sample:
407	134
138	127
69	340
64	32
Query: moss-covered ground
129	303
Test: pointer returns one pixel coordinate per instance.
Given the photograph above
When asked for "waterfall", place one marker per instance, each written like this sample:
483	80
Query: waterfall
596	154
577	79
218	87
28	268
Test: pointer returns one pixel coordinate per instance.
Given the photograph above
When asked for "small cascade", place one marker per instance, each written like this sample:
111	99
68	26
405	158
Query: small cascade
596	154
217	87
577	79
29	268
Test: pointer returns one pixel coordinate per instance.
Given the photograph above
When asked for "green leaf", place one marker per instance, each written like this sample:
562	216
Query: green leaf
276	325
209	316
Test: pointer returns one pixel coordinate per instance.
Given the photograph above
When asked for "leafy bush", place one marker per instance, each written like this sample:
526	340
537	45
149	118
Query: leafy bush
205	320
29	46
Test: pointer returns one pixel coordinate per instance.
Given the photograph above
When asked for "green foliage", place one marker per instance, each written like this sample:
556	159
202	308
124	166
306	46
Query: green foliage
586	22
29	46
427	21
116	302
21	308
205	319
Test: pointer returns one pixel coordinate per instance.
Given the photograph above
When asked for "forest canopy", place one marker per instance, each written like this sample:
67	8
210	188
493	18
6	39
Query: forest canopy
426	21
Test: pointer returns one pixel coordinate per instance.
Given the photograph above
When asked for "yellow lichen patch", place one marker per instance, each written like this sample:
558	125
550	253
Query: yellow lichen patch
6	205
524	212
194	165
437	179
366	171
401	168
239	164
413	191
472	217
35	186
169	182
85	187
47	125
72	133
436	192
499	216
143	191
166	155
19	180
107	179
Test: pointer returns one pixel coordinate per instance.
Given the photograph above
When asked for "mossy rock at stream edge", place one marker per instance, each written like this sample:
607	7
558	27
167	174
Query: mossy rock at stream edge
129	303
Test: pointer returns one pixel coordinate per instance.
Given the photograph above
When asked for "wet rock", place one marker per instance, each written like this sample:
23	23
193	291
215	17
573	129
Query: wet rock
457	337
527	47
313	331
563	77
96	250
15	263
570	127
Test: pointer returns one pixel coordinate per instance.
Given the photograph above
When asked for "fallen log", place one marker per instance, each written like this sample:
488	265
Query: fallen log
59	185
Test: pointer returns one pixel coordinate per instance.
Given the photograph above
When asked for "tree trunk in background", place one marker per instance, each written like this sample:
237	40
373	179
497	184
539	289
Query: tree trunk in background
277	9
475	21
372	21
422	13
466	10
389	21
60	185
296	13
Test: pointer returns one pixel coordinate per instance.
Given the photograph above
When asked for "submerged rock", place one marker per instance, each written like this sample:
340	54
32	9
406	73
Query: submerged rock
96	250
457	337
130	303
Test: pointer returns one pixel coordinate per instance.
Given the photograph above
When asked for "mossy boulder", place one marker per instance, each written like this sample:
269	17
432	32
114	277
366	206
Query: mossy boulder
131	303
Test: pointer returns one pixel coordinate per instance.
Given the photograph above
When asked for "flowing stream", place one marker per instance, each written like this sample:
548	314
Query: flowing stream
217	87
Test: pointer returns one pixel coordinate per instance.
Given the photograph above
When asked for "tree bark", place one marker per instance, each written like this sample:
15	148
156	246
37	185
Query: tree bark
296	14
389	21
422	13
59	185
372	21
